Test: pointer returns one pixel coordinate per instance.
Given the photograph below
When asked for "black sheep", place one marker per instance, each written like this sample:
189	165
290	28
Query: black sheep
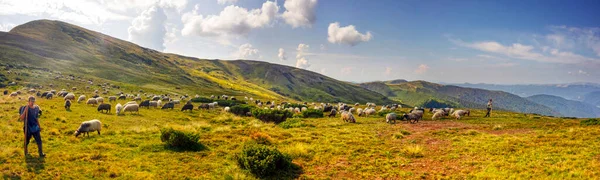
122	97
67	105
234	99
95	96
38	94
103	107
44	94
327	108
168	106
203	106
187	107
145	103
333	112
5	92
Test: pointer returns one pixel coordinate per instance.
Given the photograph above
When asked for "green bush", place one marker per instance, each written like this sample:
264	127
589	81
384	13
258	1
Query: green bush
590	122
202	100
241	109
267	115
294	123
262	160
295	106
180	140
312	113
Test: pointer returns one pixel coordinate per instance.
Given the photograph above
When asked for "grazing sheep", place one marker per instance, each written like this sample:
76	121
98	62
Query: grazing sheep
49	96
137	98
131	108
5	92
158	103
351	110
122	97
92	101
112	98
168	106
104	107
155	98
70	96
187	107
44	94
437	115
333	113
145	103
74	89
412	117
359	111
419	111
131	102
67	104
81	98
14	94
89	126
297	110
369	112
118	109
203	106
153	104
226	109
348	117
176	101
303	109
460	113
390	118
356	104
100	100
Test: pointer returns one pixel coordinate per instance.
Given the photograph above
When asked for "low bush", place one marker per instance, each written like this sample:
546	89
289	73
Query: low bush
180	140
241	109
263	161
589	122
312	113
413	151
294	123
261	138
268	115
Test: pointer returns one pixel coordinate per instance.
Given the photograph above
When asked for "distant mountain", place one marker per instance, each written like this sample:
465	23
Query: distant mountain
572	91
566	107
422	93
592	98
62	47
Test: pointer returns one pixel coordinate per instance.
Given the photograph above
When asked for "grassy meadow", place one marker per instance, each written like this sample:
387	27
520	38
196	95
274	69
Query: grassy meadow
508	145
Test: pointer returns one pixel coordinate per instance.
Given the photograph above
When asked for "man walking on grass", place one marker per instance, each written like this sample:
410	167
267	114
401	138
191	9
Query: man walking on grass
489	108
31	126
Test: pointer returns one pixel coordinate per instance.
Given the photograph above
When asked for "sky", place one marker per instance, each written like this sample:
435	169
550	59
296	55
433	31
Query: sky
500	42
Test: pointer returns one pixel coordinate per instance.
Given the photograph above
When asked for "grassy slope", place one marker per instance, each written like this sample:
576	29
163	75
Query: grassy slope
63	47
417	92
508	145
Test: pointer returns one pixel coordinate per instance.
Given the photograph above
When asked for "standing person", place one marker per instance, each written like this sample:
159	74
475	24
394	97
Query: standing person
31	126
489	108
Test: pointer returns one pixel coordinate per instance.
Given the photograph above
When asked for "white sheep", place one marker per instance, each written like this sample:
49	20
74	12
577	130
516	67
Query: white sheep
369	112
70	96
226	109
131	108
391	118
100	100
437	115
359	111
119	108
460	113
92	101
296	110
14	94
81	98
348	117
89	126
303	109
159	103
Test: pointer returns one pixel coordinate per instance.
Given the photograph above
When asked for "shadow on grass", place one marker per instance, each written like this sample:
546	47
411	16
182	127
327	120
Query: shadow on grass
35	164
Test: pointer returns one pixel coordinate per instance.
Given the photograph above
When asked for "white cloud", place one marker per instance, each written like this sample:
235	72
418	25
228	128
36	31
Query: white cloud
281	54
299	13
232	21
582	72
422	69
227	1
347	70
588	38
84	12
148	29
6	26
301	61
346	35
246	51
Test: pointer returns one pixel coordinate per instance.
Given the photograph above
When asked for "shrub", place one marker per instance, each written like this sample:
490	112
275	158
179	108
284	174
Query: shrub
241	110
262	160
295	106
180	140
404	132
202	100
261	138
590	122
294	123
312	113
267	115
384	112
414	151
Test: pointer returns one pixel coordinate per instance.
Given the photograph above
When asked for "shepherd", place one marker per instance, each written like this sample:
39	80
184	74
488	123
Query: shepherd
489	108
29	114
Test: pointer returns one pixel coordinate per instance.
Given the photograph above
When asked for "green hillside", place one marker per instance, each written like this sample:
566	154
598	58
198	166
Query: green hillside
422	93
61	47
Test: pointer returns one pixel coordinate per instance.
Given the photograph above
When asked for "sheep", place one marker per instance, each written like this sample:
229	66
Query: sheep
74	89
145	103
369	112
49	96
187	107
92	101
153	104
168	106
131	108
176	101
351	110
297	110
359	111
418	111
67	104
103	107
437	115
412	117
390	118
44	94
203	106
348	117
14	94
226	109
356	104
112	98
70	96
5	92
131	102
212	105
460	113
303	109
333	112
158	103
118	109
89	126
137	98
155	98
81	98
100	100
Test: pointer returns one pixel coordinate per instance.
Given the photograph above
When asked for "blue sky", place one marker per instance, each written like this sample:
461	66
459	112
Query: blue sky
505	42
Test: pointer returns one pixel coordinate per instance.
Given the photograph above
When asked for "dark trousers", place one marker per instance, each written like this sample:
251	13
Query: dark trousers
488	112
38	139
